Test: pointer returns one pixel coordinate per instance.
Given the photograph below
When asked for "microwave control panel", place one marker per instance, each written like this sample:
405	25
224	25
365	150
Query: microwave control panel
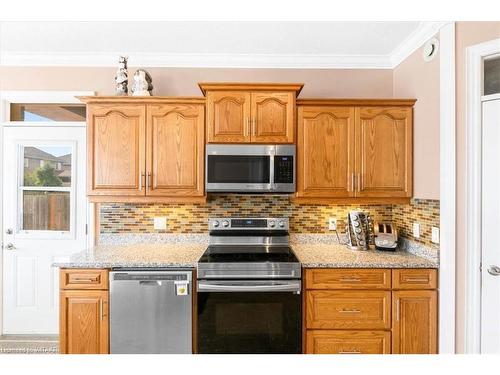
283	169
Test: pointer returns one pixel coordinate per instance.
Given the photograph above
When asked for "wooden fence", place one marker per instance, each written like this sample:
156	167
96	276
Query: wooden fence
46	211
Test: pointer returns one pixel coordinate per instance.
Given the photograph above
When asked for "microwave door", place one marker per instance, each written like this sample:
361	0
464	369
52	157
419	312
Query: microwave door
241	173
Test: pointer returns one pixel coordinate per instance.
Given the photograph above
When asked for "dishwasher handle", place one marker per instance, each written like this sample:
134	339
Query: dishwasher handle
152	276
150	283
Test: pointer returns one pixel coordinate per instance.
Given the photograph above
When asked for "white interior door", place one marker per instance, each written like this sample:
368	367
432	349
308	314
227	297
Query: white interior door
490	275
44	220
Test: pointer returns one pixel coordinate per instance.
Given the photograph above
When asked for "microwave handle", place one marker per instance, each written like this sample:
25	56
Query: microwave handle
271	172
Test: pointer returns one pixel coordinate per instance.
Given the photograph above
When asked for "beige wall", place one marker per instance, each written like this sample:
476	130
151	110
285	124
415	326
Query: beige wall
467	34
415	78
341	83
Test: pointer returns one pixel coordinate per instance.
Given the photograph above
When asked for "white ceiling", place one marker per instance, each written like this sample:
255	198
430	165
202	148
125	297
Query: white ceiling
224	44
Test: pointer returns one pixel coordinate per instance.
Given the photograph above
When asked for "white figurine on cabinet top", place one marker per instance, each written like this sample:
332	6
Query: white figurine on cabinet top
121	77
142	84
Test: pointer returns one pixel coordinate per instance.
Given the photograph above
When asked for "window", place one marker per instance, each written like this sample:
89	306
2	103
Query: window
45	190
36	112
491	82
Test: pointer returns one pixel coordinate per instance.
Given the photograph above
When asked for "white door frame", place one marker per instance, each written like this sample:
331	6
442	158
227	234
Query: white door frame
447	185
22	96
472	308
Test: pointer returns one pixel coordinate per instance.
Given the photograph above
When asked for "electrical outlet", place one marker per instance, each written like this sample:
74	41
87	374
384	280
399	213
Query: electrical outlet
435	235
416	230
160	223
332	223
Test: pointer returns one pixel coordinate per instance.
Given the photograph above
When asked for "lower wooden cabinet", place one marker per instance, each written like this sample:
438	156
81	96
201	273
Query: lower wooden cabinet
414	323
84	315
348	342
377	311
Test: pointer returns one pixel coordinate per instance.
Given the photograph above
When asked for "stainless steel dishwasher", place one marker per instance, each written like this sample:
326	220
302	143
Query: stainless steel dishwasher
150	311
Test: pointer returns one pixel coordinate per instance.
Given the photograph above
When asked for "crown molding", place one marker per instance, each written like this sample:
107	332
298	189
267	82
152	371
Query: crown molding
414	41
149	60
290	61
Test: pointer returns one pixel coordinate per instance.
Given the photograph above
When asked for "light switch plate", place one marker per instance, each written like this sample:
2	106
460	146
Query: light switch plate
160	223
332	223
435	235
416	230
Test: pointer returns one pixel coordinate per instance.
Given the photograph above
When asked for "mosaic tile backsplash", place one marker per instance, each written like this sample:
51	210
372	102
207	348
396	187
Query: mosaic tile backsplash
423	211
192	218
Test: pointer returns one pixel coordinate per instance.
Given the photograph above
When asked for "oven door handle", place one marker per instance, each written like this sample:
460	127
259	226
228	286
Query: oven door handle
293	286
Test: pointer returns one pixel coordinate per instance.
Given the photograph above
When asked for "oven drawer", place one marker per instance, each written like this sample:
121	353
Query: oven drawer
319	278
348	309
348	342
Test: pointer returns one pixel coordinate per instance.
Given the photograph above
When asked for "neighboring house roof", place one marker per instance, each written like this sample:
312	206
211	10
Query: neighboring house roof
65	159
65	173
36	153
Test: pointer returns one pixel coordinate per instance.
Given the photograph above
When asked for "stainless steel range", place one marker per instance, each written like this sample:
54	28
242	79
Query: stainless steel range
249	283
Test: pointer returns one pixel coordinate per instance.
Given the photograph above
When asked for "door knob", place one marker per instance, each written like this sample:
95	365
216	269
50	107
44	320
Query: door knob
10	246
494	270
9	231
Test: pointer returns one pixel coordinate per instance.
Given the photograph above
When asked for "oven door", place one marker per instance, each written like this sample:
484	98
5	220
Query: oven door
258	316
239	168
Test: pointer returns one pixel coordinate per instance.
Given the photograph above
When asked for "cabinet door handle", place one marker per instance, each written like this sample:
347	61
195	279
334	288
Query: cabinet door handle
247	125
359	182
148	181
397	309
350	279
143	175
101	312
254	125
352	182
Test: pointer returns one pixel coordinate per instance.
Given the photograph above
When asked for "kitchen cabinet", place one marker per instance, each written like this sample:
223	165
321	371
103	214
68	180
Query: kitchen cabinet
84	317
354	151
250	113
384	151
370	311
145	149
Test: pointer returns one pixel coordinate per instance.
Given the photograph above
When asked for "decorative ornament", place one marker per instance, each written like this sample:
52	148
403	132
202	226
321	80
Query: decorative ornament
142	84
121	78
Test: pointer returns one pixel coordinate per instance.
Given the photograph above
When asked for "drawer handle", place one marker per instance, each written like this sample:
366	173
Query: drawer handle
85	279
355	351
349	311
350	279
417	279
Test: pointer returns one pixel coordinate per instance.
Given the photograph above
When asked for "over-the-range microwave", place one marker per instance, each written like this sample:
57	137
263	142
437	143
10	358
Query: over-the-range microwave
250	168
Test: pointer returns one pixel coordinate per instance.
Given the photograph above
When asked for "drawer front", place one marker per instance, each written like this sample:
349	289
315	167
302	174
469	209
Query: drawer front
318	278
348	309
348	342
84	279
414	279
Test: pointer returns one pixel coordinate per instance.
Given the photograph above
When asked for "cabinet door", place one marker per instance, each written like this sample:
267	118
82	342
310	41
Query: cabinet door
325	150
84	322
414	328
348	342
228	117
175	150
384	152
273	117
116	142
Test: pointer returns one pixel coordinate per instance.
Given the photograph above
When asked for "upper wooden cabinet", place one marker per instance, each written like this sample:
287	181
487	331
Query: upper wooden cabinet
145	148
175	144
384	151
325	148
116	137
359	149
250	113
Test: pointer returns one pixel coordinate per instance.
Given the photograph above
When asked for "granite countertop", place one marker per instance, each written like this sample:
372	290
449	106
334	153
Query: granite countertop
186	255
137	255
339	256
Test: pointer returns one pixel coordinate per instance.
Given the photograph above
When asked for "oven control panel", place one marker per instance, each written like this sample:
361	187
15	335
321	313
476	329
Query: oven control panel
277	223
